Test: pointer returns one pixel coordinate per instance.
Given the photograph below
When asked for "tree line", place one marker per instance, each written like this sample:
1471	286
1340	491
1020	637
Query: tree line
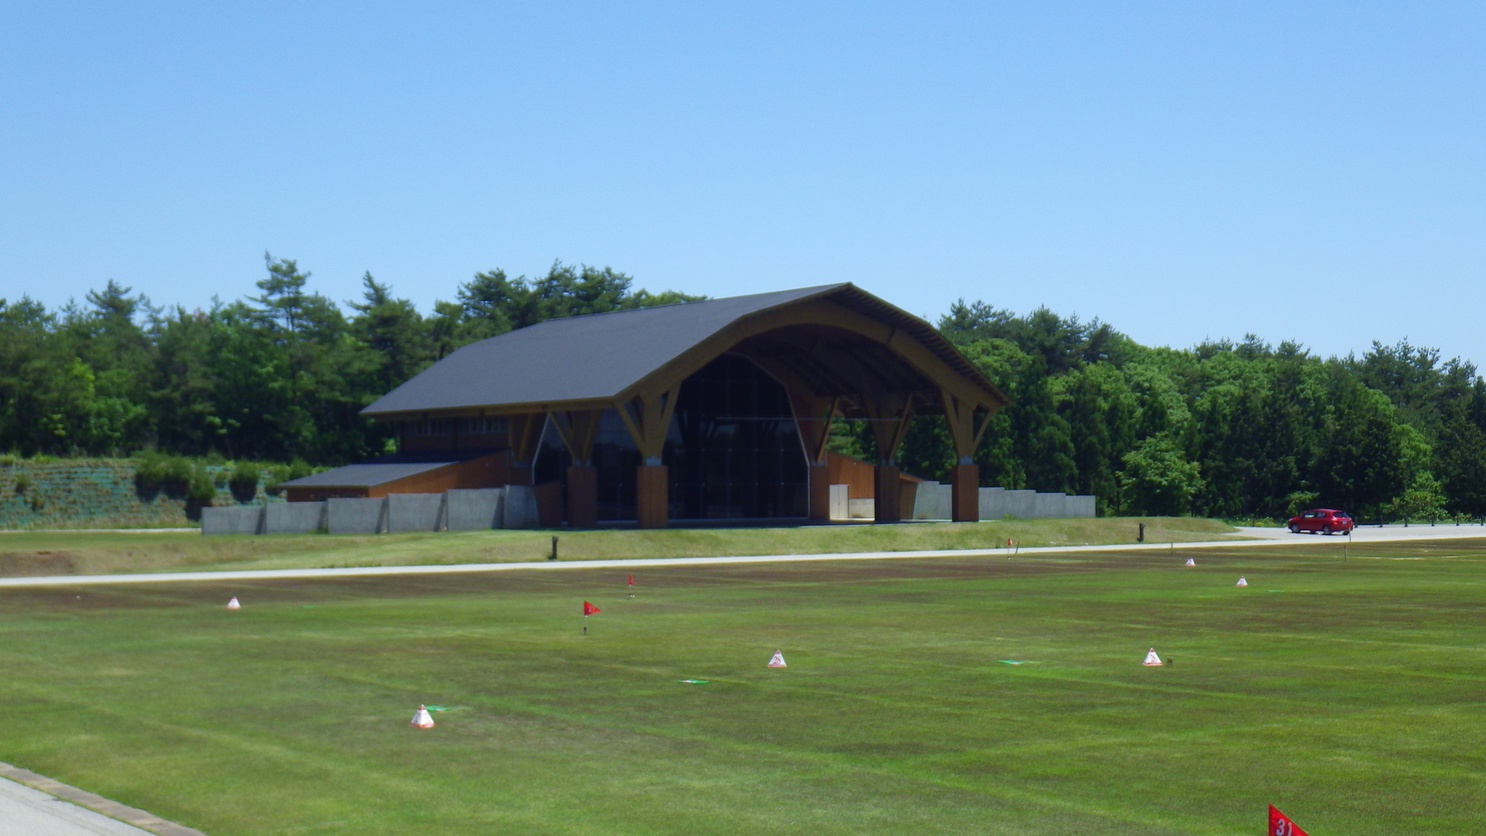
1225	429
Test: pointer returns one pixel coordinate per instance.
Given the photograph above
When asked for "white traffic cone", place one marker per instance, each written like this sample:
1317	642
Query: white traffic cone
422	719
1241	583
233	604
1191	562
778	660
1152	660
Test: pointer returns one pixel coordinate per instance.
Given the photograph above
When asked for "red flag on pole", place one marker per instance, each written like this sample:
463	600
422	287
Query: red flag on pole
589	609
631	580
1281	825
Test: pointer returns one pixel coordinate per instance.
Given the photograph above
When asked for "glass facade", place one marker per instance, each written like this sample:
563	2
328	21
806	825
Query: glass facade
732	451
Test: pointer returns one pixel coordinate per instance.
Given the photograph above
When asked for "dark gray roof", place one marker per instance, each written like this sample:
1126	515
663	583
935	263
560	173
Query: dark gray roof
573	359
380	471
599	356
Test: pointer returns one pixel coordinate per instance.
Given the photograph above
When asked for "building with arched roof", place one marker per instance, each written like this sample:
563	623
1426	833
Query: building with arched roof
701	410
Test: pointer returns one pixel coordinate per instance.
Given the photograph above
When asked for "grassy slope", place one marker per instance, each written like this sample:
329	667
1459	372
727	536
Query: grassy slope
91	552
1347	694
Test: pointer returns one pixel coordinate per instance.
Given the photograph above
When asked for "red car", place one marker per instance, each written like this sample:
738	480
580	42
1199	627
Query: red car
1323	520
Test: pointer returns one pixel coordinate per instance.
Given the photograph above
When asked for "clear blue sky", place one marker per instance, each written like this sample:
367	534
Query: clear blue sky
1181	170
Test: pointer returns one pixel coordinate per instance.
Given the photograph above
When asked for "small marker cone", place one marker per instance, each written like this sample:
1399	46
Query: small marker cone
1152	660
233	604
422	719
1241	583
778	660
1191	562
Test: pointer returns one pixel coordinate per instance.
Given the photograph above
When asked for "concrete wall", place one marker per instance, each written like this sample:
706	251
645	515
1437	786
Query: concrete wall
294	518
515	507
415	512
1079	506
992	503
345	515
840	494
1021	504
237	520
474	509
521	507
933	501
1049	505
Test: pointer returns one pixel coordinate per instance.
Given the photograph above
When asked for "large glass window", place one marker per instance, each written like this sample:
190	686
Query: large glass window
732	451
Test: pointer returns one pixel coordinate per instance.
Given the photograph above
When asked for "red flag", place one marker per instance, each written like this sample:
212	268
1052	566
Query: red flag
589	609
1280	824
631	580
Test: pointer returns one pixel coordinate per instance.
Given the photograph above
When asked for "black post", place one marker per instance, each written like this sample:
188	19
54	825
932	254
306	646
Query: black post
1140	538
554	554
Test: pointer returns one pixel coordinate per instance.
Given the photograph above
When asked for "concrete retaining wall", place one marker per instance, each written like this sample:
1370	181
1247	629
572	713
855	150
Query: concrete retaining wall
1021	504
521	507
1079	506
474	509
992	503
415	512
1049	505
294	518
348	515
933	501
239	520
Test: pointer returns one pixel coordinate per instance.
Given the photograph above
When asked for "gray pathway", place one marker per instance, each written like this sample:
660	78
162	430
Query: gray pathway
34	805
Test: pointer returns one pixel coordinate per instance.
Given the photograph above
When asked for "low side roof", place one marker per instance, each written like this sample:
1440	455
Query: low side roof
598	357
379	471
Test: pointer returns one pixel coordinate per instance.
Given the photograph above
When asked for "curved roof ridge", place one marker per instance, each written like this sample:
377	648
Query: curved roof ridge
595	357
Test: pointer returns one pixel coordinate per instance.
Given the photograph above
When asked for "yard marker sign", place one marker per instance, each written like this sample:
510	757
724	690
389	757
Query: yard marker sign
1281	825
1152	660
778	660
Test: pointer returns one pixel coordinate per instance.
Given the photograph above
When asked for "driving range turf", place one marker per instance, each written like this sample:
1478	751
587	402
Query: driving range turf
987	695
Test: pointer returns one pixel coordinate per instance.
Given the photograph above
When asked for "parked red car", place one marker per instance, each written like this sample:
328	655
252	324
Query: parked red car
1323	520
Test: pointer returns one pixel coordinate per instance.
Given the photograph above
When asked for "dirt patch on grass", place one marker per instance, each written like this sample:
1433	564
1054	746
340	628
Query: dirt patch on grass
37	564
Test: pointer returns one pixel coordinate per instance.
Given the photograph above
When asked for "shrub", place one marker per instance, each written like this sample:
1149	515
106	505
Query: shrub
149	470
22	483
177	473
201	489
244	478
276	474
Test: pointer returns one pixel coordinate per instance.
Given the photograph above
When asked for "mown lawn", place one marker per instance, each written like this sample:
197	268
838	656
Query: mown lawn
1352	695
30	553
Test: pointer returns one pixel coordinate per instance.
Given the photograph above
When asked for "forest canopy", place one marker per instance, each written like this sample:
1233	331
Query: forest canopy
1237	430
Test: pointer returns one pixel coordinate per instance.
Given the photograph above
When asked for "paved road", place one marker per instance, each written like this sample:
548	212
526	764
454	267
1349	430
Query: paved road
25	811
1246	537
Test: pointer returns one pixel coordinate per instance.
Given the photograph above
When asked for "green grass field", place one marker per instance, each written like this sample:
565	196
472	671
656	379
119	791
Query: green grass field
1350	694
26	553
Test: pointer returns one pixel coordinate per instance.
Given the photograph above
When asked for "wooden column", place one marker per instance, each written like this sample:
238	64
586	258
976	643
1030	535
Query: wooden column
647	416
889	414
965	493
583	496
577	431
526	431
652	500
967	424
887	494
